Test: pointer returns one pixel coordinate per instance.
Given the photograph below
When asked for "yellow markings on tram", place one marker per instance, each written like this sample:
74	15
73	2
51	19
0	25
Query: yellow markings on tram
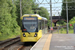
47	43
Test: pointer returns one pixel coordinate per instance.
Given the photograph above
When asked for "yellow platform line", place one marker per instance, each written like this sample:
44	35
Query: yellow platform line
47	43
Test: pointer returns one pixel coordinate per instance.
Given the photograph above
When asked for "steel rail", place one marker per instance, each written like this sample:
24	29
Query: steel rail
20	47
8	40
9	43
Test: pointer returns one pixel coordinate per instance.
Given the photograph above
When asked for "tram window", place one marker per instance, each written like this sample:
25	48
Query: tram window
38	26
45	24
42	24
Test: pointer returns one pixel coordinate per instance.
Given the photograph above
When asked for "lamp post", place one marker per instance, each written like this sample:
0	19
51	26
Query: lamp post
67	14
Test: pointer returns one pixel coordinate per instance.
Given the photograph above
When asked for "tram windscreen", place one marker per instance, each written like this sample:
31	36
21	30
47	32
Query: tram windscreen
30	24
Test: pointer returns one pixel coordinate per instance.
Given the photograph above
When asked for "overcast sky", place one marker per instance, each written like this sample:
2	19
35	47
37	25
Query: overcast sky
56	6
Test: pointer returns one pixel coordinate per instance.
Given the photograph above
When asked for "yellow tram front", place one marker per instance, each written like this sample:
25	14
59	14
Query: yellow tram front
30	32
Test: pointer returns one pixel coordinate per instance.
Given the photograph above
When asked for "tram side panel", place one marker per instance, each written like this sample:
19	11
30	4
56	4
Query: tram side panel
39	29
44	27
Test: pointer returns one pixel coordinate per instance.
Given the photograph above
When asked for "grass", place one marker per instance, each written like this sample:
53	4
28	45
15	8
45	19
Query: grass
5	36
63	31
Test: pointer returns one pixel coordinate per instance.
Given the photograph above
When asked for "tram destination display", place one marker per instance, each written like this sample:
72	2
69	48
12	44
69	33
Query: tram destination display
29	18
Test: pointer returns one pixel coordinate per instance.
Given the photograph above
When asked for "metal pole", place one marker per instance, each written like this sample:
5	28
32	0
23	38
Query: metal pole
59	23
44	26
67	14
20	8
51	13
74	28
13	1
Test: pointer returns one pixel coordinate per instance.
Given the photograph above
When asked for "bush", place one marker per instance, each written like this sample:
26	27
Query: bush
61	22
72	21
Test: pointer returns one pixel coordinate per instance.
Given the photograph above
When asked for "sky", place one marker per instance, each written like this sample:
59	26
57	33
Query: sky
56	6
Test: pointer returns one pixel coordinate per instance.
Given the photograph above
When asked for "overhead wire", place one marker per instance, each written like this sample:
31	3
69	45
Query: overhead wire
54	8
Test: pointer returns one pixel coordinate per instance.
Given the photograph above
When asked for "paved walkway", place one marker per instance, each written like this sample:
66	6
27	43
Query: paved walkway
55	42
62	42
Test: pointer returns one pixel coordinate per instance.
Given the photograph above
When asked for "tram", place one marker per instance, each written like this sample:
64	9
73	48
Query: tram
33	27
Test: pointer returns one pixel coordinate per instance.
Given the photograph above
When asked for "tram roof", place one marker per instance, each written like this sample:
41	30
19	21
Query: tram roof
34	15
44	18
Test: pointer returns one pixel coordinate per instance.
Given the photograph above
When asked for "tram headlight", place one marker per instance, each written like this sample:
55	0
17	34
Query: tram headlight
24	35
35	35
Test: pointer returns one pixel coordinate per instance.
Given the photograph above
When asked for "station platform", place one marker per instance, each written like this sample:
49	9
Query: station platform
55	42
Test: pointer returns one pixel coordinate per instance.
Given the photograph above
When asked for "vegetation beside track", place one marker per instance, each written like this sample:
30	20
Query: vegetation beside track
5	37
63	31
70	26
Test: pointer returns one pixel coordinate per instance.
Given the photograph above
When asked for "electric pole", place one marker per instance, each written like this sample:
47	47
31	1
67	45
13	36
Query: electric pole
67	14
51	14
20	8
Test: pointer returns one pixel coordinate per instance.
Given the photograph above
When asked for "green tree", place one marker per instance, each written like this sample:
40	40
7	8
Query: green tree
44	13
26	8
72	21
35	7
5	17
14	27
8	24
71	13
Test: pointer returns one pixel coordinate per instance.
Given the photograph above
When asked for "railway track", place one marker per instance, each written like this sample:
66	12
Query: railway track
26	46
8	43
20	48
15	44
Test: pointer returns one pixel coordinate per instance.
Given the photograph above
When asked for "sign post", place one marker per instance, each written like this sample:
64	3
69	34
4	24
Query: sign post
51	29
